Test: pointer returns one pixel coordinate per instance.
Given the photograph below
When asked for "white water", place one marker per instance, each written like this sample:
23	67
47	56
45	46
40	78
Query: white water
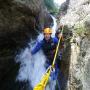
54	26
32	67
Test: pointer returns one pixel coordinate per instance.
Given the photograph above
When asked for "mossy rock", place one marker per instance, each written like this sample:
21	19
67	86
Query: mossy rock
80	28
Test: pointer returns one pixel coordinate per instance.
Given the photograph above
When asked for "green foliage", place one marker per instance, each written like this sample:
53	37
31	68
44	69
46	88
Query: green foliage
80	29
51	6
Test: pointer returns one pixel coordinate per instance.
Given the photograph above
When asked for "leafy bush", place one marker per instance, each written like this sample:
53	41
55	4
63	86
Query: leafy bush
51	6
80	29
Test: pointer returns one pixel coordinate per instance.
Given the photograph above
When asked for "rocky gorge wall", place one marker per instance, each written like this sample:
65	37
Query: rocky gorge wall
20	20
77	19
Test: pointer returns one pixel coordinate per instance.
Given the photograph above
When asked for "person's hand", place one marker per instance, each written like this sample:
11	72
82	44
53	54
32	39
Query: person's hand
60	35
52	68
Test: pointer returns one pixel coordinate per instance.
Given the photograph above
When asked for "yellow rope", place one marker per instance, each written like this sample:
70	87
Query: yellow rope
57	49
44	81
55	54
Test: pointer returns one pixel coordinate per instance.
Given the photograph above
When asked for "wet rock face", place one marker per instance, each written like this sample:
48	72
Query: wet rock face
78	19
64	7
85	61
19	21
77	11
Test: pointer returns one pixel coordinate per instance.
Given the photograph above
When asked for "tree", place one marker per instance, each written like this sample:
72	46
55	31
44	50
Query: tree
51	6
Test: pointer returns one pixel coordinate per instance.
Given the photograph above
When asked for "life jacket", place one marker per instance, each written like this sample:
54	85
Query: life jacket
49	49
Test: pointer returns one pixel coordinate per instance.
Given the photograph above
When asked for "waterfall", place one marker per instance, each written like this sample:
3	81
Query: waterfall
32	67
54	26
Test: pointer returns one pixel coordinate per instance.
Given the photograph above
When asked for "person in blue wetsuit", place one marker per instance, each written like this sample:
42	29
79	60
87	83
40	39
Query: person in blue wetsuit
48	45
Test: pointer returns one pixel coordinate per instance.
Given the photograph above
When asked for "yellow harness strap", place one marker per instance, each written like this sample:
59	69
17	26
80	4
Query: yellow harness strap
44	81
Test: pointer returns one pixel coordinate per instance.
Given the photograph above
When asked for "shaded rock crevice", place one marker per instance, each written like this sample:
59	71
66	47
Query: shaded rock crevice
77	20
19	22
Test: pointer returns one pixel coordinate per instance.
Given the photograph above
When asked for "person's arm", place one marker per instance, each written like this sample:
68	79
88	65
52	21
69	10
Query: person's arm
55	40
36	48
62	41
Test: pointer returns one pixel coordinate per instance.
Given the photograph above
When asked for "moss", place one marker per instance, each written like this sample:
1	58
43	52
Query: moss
80	29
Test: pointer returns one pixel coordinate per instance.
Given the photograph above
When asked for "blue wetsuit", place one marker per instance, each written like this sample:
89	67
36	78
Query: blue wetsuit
48	48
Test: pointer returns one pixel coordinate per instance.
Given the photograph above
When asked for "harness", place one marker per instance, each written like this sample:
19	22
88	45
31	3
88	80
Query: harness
48	48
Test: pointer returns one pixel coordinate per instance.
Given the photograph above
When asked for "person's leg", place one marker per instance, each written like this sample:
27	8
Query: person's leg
52	80
57	71
60	54
52	84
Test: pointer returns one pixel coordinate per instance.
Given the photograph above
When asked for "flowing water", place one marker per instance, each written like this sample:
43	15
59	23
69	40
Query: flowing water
32	67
